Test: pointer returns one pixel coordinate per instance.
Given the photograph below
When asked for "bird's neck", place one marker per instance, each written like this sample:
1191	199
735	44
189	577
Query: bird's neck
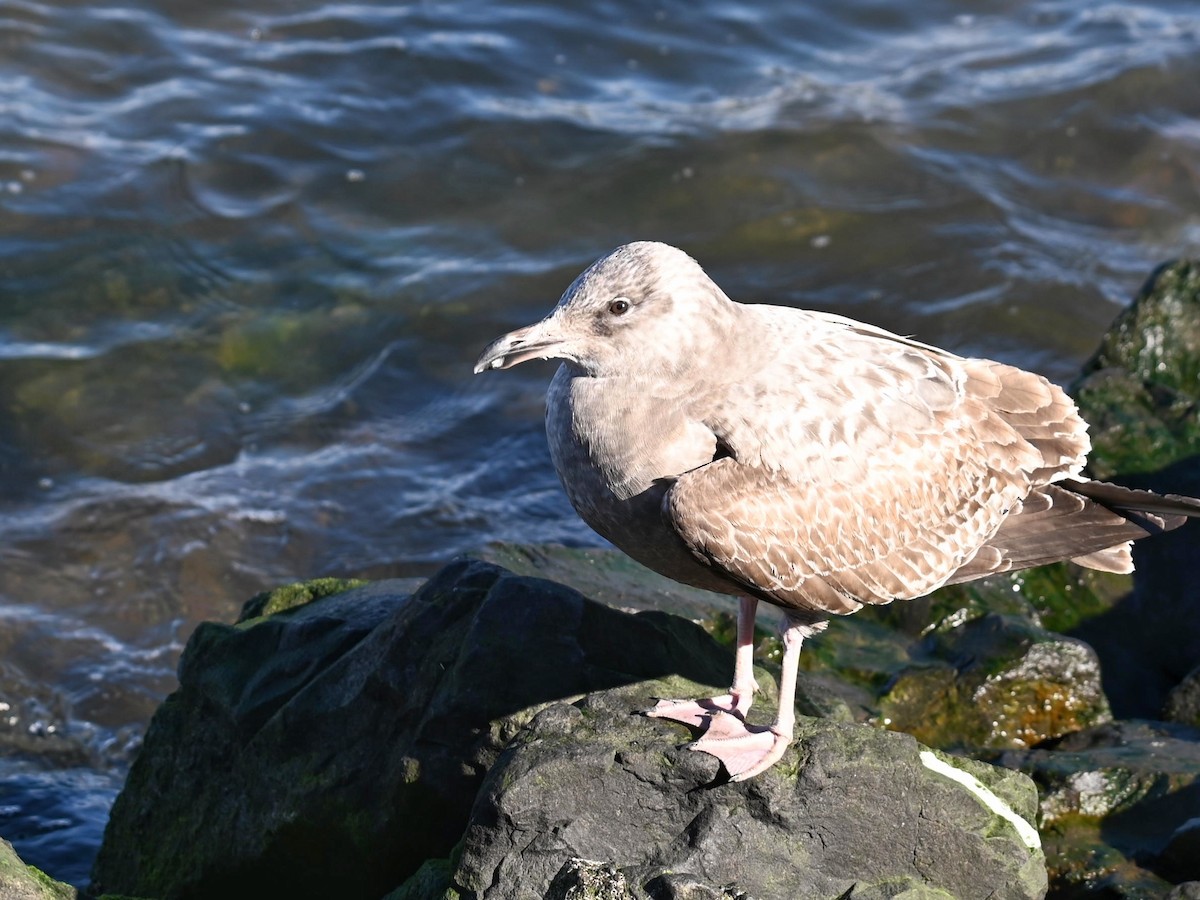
625	428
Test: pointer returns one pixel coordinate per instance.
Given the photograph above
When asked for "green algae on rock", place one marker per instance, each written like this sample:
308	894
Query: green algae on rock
289	596
997	682
1112	798
399	734
1141	390
19	881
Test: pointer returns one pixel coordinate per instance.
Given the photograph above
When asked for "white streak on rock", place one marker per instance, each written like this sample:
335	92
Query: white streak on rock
1027	832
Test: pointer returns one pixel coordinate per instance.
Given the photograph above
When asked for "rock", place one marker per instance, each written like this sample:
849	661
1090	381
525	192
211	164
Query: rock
854	809
361	724
997	681
1141	393
429	883
1180	858
21	882
609	577
477	736
1113	798
1183	703
186	420
585	879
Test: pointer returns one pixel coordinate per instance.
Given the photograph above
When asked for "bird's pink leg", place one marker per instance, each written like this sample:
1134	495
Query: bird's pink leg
746	750
741	694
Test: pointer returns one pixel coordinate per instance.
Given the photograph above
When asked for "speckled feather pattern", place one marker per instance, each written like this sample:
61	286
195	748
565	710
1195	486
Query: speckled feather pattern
865	467
804	458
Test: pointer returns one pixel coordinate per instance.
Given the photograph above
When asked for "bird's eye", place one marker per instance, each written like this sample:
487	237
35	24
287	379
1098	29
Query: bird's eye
619	307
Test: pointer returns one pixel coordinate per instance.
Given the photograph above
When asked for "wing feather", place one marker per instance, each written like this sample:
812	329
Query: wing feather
864	467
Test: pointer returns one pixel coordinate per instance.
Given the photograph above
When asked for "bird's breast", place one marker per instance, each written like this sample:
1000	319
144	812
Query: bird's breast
611	443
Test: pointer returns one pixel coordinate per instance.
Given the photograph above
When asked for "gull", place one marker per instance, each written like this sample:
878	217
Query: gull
805	460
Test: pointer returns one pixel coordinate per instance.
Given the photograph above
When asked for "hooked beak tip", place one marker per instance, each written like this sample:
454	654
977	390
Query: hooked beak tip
515	348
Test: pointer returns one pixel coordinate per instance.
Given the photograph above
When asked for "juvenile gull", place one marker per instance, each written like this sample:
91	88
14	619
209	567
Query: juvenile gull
807	460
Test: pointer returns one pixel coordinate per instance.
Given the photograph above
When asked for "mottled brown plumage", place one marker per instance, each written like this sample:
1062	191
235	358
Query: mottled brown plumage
805	459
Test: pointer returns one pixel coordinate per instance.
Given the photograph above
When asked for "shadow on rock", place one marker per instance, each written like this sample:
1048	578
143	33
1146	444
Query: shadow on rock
331	749
1149	640
476	741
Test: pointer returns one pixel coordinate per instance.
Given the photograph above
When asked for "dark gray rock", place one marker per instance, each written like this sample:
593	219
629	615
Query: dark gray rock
1180	858
1150	640
333	748
850	809
607	576
478	735
1183	703
1140	393
1113	798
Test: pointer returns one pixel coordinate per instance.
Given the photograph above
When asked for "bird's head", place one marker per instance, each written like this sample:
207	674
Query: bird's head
636	310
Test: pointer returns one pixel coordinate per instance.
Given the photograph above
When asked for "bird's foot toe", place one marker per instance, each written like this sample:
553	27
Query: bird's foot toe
744	750
694	712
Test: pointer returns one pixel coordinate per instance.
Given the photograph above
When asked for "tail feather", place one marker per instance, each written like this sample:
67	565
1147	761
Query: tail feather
1172	508
1117	559
1090	522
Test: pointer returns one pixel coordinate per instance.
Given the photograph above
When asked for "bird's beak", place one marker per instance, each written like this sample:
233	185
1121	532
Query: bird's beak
539	341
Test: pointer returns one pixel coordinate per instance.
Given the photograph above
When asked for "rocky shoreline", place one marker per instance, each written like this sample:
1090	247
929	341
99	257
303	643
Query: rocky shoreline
477	737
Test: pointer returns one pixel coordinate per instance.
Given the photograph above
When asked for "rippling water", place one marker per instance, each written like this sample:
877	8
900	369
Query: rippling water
249	252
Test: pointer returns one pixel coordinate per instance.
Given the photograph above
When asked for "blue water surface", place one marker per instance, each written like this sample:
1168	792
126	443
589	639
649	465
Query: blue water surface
250	251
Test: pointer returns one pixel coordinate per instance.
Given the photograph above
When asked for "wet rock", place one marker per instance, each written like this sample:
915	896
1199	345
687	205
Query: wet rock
478	735
996	682
1141	395
1180	858
1112	800
21	882
185	420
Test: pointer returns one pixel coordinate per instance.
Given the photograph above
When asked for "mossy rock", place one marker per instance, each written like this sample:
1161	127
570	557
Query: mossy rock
19	881
996	682
290	596
1081	864
1140	392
